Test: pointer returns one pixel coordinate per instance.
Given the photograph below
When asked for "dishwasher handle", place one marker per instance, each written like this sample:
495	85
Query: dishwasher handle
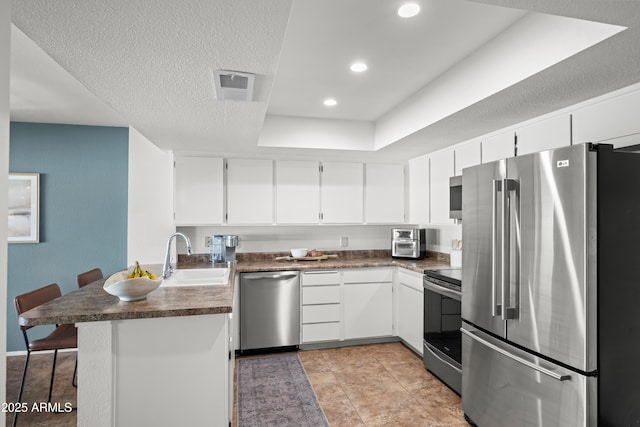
270	276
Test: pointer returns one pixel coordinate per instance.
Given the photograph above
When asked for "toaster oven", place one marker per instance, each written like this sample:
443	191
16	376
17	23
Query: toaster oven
408	243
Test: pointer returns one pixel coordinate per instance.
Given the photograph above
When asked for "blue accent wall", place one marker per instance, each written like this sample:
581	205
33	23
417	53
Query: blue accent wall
83	208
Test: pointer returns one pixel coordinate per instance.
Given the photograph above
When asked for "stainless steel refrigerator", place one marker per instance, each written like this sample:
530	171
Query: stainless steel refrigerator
551	289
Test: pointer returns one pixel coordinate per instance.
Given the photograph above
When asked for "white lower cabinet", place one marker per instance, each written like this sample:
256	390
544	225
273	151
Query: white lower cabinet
358	303
410	309
318	332
368	303
321	306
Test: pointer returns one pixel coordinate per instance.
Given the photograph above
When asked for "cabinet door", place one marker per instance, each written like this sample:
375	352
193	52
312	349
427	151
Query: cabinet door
297	192
419	190
249	191
609	119
410	316
466	156
368	310
545	135
199	190
384	194
441	169
342	193
498	147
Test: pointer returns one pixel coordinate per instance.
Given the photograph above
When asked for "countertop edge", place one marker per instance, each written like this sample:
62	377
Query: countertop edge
92	304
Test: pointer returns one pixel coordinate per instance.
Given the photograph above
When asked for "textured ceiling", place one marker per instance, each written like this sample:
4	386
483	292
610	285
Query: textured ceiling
148	64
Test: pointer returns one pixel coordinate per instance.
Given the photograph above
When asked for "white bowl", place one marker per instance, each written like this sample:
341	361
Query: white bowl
299	252
130	289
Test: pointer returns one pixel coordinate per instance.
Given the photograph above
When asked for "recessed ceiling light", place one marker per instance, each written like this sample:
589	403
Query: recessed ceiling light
330	102
358	67
408	10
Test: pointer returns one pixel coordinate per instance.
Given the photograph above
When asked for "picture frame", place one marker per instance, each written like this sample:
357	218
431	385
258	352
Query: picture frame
24	208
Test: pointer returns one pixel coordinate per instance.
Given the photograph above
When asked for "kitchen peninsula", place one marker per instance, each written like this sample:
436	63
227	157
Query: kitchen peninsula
167	360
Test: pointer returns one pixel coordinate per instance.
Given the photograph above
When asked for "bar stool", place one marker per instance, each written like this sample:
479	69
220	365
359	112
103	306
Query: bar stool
62	337
89	277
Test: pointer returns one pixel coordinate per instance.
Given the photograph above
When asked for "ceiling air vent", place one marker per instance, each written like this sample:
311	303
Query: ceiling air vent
233	85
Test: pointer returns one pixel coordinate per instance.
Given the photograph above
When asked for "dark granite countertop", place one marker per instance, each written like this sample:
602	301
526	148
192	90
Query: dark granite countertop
92	303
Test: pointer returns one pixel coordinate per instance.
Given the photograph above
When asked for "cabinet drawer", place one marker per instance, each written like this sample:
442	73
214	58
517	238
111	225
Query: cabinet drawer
368	275
311	278
321	294
321	313
411	280
321	332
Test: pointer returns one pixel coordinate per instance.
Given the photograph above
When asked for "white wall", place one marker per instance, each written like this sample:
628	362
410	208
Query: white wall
284	237
299	132
150	220
5	56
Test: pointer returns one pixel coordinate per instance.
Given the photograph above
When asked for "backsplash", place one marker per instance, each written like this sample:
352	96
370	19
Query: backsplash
197	258
281	238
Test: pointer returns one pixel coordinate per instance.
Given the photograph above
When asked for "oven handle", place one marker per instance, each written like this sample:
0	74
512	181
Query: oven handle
428	348
441	290
531	365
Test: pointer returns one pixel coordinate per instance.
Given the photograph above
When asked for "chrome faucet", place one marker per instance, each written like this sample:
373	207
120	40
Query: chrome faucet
167	270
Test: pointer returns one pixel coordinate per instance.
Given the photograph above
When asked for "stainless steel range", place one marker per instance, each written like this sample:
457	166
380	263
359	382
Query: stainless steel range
442	354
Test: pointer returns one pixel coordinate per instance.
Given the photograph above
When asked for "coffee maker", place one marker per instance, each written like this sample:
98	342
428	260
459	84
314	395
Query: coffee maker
223	248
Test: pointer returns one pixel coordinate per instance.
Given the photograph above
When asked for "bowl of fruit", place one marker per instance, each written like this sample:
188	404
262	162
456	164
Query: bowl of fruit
132	285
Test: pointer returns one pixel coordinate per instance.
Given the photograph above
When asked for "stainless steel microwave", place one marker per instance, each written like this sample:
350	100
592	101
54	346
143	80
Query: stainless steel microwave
455	197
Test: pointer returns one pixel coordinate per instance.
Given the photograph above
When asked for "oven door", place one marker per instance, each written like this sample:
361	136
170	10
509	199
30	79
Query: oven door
442	337
405	248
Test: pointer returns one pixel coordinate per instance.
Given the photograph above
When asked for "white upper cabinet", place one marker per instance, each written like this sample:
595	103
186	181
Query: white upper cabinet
384	194
441	169
614	118
466	155
297	192
342	192
545	135
419	190
199	190
249	191
498	147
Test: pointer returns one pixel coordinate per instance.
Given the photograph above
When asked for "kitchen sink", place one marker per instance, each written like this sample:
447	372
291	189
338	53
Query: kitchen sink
198	277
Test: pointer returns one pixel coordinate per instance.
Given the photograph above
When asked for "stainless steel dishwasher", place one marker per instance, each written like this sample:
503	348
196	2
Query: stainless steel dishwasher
269	310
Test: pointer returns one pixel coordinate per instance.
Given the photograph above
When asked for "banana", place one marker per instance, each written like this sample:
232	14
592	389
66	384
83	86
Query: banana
138	272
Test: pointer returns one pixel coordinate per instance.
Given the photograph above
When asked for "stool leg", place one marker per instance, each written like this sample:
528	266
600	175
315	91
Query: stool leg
53	371
74	380
24	374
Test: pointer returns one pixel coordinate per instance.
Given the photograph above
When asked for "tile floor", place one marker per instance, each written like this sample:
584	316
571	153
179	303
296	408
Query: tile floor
379	385
373	385
37	387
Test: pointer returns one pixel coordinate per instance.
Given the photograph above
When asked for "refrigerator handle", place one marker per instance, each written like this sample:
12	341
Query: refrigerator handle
545	371
496	308
504	248
508	186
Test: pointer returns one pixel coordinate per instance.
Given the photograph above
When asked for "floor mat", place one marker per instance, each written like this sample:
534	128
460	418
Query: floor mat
274	390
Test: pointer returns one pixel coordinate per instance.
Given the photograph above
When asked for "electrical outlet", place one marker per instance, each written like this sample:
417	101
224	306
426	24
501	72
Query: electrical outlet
207	241
344	241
